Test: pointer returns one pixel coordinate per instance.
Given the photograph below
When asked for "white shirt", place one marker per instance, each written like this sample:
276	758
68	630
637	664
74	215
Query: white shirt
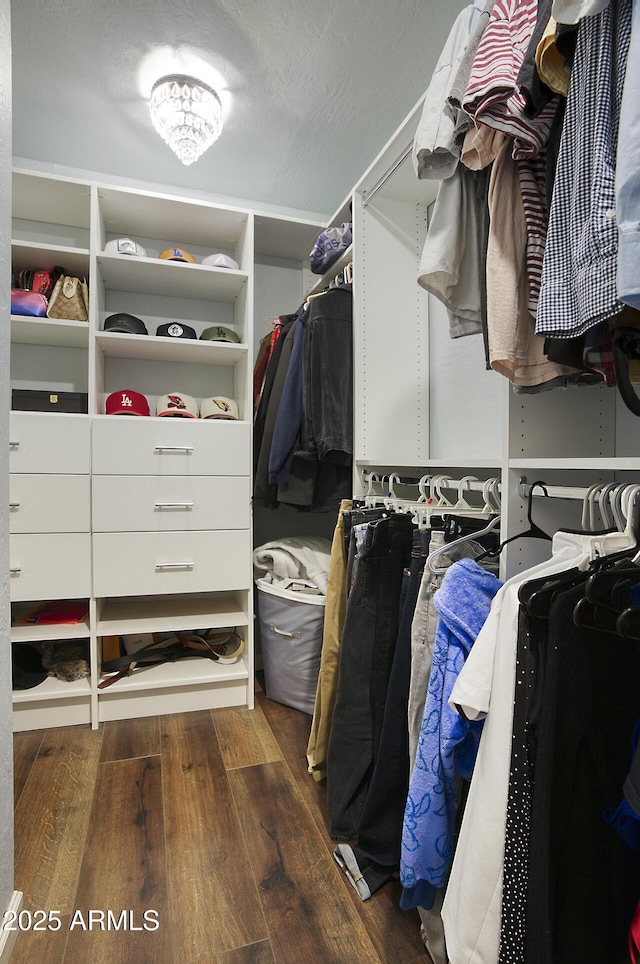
573	11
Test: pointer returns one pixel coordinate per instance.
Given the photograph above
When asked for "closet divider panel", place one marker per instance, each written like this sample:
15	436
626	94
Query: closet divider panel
391	344
467	403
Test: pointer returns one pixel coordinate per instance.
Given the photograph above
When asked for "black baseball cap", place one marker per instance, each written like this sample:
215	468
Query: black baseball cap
175	330
26	665
124	322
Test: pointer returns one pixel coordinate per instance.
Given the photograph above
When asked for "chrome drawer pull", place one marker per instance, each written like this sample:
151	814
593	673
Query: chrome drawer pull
15	572
174	505
174	448
14	505
14	445
162	566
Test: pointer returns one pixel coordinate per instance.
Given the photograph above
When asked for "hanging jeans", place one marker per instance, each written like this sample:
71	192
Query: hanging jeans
366	655
377	854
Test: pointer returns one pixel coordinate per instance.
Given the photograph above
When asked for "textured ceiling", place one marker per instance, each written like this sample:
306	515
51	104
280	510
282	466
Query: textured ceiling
312	90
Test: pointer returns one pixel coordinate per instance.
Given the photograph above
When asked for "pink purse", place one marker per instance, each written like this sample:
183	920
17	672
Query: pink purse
25	302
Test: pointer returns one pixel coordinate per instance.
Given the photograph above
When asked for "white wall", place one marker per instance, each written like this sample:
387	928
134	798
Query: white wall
6	738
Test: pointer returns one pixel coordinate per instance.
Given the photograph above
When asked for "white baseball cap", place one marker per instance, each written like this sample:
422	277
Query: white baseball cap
220	261
177	404
125	246
219	407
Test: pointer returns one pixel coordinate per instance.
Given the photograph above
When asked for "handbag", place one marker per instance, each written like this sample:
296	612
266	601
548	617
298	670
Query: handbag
42	280
28	303
69	300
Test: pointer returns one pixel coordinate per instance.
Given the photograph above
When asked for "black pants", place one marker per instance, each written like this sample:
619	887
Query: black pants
366	656
380	828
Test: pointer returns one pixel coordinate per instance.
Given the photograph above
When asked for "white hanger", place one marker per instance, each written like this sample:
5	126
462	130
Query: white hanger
448	546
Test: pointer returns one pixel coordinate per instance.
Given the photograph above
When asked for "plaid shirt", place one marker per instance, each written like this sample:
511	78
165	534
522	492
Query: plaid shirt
580	261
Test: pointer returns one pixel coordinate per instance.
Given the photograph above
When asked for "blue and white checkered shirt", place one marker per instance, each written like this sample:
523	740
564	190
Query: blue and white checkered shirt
580	262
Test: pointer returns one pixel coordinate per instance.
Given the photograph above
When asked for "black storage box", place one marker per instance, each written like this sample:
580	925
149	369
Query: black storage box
26	400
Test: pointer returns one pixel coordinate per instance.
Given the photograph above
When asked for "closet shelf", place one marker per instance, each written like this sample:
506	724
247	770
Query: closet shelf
38	634
28	254
186	672
289	238
153	348
171	219
49	331
129	615
613	464
53	689
443	463
336	268
171	279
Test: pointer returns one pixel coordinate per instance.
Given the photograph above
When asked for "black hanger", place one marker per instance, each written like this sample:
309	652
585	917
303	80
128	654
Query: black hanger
537	595
589	616
533	532
628	623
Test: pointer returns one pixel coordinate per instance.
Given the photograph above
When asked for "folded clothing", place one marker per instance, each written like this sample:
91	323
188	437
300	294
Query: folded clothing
294	558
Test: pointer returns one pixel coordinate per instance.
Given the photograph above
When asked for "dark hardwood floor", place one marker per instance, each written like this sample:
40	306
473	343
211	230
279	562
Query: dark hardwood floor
211	820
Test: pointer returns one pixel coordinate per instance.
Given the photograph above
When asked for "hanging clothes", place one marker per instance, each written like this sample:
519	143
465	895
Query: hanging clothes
626	182
486	689
580	264
448	744
334	615
366	655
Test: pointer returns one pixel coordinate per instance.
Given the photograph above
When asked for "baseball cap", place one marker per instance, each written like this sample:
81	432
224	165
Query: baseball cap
220	261
27	670
122	321
177	404
218	333
126	402
125	246
175	330
177	254
219	407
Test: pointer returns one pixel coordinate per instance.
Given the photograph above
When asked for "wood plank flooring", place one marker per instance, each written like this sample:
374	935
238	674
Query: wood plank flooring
211	820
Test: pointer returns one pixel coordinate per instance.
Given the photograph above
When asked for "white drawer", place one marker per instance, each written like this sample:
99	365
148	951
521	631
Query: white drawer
124	445
142	563
42	442
50	566
133	503
49	503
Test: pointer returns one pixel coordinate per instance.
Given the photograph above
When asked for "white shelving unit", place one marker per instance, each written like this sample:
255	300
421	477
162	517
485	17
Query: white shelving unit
166	544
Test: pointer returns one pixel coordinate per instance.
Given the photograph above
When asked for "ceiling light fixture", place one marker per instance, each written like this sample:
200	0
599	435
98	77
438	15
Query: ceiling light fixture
187	115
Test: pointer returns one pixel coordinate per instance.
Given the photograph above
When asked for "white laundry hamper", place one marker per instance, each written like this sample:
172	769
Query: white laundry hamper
291	624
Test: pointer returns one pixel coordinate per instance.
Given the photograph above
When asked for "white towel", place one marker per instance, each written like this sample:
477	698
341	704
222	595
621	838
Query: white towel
292	558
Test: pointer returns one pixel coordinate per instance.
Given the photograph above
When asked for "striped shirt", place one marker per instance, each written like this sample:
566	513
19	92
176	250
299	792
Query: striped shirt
493	98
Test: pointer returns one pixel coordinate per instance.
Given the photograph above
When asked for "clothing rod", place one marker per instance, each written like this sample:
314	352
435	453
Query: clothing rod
385	177
554	491
475	486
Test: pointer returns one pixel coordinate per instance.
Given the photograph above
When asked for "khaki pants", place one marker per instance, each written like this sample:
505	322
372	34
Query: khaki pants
334	614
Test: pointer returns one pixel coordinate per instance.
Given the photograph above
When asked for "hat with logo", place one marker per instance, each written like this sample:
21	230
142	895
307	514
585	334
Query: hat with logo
220	261
219	407
177	254
218	333
175	330
125	246
129	324
126	402
178	405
